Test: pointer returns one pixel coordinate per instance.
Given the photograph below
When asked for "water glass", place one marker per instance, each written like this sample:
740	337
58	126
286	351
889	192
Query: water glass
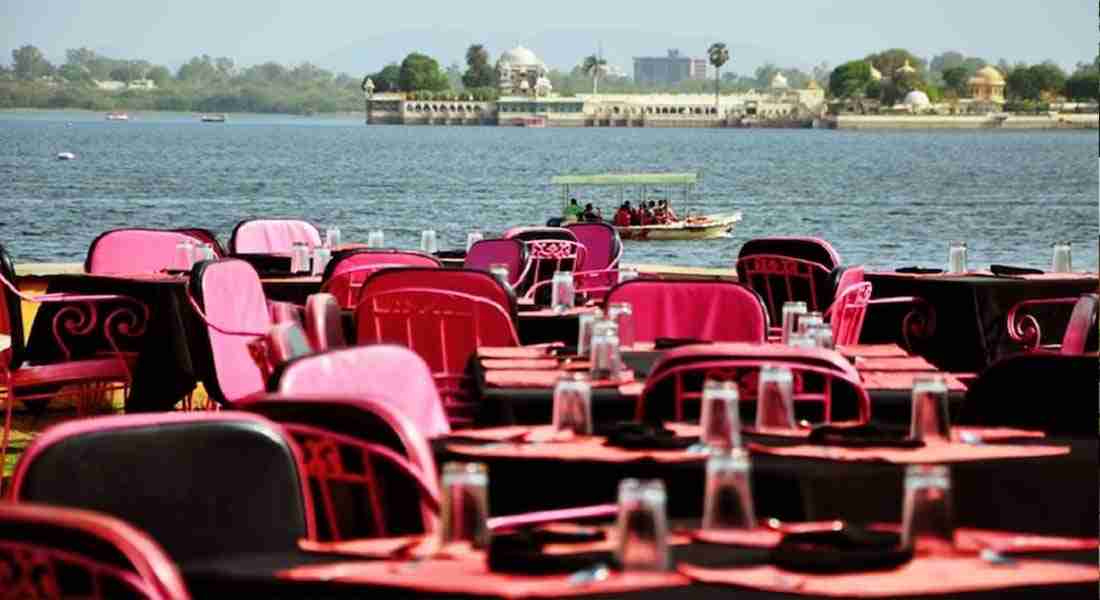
930	418
775	398
472	238
332	238
376	239
321	257
562	291
623	316
802	340
956	258
585	323
627	274
642	526
727	501
185	255
500	271
573	405
822	336
604	353
720	416
1063	258
428	244
810	320
791	312
465	504
299	257
927	523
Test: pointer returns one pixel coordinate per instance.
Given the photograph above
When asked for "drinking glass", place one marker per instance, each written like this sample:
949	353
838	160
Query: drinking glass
332	238
623	315
802	340
930	418
465	504
727	501
604	353
428	243
927	524
822	336
627	274
720	416
1063	258
376	239
321	256
642	526
573	405
775	398
299	257
500	271
562	292
808	321
791	312
472	238
956	257
585	323
185	255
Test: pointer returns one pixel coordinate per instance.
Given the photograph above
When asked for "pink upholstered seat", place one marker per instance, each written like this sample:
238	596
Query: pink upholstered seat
269	236
603	249
847	313
73	552
1080	329
701	310
509	252
324	323
140	250
391	373
345	274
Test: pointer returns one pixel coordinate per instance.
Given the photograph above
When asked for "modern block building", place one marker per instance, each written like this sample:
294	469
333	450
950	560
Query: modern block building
668	70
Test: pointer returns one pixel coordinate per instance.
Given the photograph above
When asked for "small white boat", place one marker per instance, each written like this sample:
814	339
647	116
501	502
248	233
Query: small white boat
213	118
693	228
118	116
66	156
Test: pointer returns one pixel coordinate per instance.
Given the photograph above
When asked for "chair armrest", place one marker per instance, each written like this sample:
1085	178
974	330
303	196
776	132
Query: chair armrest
918	324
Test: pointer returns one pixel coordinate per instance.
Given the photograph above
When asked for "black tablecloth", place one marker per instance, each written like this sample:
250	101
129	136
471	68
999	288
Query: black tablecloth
541	328
170	361
970	312
290	289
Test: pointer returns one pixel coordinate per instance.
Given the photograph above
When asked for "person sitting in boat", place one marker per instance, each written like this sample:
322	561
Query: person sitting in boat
623	216
663	213
647	213
573	211
591	214
672	218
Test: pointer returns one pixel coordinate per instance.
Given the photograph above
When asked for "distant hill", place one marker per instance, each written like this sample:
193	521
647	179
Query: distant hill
559	48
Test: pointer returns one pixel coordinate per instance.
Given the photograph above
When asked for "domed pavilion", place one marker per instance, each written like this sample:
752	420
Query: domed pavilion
520	66
988	85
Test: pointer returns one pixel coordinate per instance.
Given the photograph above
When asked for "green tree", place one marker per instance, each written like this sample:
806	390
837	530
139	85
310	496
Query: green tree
889	61
479	73
199	70
74	73
1084	85
718	55
421	72
160	75
593	66
28	62
388	79
851	80
956	79
1036	81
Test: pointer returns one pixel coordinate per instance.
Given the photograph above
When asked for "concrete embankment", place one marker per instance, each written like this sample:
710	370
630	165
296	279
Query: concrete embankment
1044	122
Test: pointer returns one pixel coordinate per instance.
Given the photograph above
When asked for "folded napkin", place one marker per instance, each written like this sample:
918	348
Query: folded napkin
645	436
918	270
840	551
1011	270
861	436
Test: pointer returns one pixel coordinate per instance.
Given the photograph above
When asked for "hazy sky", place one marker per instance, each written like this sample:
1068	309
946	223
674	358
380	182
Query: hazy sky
804	31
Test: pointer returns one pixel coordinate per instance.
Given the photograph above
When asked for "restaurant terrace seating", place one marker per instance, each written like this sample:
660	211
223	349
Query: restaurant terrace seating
272	236
548	250
324	322
782	269
1081	330
371	472
603	250
345	273
283	343
717	311
511	253
142	250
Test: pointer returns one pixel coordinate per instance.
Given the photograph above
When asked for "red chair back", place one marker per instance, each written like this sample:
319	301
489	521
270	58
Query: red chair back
549	250
674	386
782	269
324	323
272	236
466	281
719	311
847	313
371	471
346	272
140	250
1082	325
80	553
806	248
391	373
229	292
486	253
602	245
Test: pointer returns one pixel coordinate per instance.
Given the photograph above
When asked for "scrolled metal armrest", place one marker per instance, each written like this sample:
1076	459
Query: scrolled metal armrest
919	323
1024	328
80	315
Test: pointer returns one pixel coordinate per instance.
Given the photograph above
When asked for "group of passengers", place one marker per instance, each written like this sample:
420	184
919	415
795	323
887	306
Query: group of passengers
648	213
574	213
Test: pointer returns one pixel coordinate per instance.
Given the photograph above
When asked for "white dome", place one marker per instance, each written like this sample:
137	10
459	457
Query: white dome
542	82
779	81
917	98
520	56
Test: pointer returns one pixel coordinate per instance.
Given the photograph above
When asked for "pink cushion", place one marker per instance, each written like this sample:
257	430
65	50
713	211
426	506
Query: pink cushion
485	253
600	243
233	299
702	310
391	372
136	251
268	236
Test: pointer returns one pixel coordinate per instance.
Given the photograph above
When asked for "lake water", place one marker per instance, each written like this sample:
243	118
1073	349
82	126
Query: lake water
888	198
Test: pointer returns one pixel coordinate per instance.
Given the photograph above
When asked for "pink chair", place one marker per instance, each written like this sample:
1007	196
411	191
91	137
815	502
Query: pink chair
141	250
272	236
675	383
346	272
391	373
603	250
1080	330
548	250
324	323
847	313
371	471
285	342
53	552
79	316
718	311
466	281
509	252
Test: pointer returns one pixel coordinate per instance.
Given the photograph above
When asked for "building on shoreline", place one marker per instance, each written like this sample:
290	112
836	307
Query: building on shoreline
668	70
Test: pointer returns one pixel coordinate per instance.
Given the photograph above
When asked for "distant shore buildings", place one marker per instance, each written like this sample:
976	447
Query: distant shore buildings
668	70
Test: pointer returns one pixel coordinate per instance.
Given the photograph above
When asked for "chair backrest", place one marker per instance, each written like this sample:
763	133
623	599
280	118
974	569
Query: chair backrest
269	236
80	553
324	322
138	250
466	281
285	342
348	269
1082	325
603	248
548	250
781	279
848	311
806	248
230	294
392	373
822	378
719	311
371	471
486	253
11	314
203	484
846	277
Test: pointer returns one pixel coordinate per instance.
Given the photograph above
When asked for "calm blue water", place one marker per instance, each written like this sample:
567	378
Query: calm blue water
882	198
